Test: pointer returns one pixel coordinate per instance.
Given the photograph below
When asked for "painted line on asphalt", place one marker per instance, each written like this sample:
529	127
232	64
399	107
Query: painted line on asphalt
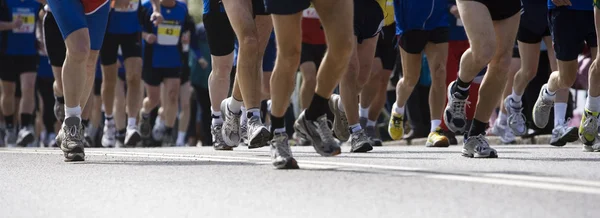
523	181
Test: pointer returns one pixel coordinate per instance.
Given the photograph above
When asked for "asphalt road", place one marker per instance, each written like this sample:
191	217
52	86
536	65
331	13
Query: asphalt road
392	181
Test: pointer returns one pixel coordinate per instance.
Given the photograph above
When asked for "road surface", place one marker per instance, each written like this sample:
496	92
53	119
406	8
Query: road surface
392	181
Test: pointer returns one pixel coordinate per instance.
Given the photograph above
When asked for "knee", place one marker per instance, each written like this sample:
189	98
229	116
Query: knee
250	41
288	56
438	73
483	54
567	81
173	95
133	79
8	90
153	98
80	51
342	48
528	73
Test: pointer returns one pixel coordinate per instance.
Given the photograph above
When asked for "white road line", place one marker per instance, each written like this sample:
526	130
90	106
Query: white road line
523	181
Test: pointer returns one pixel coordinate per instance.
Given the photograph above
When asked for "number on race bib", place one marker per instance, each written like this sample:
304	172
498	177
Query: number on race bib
168	34
28	19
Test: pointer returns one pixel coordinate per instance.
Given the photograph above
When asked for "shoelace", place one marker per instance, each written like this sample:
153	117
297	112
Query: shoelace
546	105
70	132
397	122
482	143
360	136
244	127
459	108
253	124
232	119
590	124
324	132
283	151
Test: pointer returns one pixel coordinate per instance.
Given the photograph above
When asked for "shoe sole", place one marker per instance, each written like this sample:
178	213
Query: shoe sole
571	136
439	144
133	140
474	155
260	139
77	155
26	140
290	164
223	148
365	147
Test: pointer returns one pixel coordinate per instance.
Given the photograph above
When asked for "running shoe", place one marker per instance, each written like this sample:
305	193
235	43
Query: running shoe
71	141
231	125
563	134
516	118
455	114
281	153
542	108
478	147
340	121
258	134
319	133
396	126
25	136
372	134
437	139
360	142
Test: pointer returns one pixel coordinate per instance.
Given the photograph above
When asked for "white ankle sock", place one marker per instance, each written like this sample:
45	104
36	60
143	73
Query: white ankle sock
515	97
254	111
398	110
502	117
234	106
363	112
131	122
592	103
371	122
355	128
341	105
560	110
216	118
73	112
434	125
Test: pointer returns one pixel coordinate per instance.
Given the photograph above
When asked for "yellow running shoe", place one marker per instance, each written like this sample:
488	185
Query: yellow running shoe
437	139
588	129
396	126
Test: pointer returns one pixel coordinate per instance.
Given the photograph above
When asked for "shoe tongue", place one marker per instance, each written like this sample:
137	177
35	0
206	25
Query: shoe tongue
459	96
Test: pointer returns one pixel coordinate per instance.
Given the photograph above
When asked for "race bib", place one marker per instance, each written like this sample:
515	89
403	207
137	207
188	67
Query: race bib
28	19
310	13
133	6
168	34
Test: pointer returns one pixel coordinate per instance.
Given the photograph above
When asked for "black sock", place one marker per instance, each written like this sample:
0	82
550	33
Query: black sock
26	120
477	128
10	121
318	107
145	116
60	99
461	87
277	123
169	130
121	132
85	122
